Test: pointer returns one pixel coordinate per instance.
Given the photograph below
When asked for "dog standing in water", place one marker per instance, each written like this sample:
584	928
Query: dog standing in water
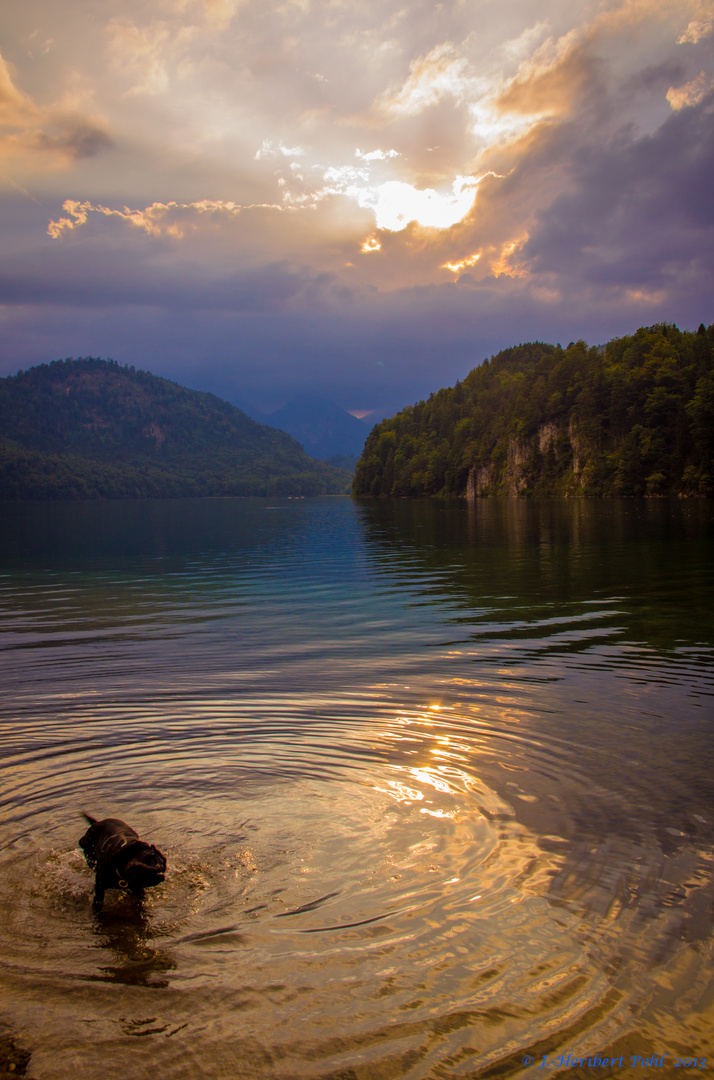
120	859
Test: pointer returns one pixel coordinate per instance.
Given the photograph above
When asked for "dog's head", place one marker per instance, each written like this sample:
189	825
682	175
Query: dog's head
146	866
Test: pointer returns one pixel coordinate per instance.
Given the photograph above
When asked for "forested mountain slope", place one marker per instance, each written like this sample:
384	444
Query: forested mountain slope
91	428
633	418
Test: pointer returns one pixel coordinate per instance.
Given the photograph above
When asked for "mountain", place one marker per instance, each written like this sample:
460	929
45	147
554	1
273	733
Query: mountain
324	430
632	418
91	428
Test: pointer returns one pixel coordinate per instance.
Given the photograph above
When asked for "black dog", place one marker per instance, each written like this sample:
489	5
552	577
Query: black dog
121	860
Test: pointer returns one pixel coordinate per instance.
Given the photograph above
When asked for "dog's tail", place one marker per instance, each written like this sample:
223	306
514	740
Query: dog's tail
90	819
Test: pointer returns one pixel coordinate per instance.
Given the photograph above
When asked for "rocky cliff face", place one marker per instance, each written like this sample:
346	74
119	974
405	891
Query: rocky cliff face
524	462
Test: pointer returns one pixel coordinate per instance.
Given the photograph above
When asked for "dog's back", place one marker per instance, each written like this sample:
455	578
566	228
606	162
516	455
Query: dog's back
104	840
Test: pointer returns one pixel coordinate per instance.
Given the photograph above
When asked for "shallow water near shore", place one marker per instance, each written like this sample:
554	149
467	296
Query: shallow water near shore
435	782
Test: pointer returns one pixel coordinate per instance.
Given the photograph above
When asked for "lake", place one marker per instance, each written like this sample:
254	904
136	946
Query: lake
435	782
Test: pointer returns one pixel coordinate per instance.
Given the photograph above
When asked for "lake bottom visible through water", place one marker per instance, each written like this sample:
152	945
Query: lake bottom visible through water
435	783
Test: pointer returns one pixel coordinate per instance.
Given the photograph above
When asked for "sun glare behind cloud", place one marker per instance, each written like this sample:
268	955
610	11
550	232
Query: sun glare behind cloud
397	204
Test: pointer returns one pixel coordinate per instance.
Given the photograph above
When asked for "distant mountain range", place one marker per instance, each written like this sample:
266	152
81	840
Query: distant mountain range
323	429
90	428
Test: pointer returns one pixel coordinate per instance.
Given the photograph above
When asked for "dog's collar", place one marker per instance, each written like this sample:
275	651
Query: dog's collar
121	882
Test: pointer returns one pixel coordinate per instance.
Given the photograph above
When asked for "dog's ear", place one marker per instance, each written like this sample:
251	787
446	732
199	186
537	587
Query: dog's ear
161	856
148	858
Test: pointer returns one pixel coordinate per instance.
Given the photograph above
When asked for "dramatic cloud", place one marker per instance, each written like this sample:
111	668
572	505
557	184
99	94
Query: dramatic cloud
691	93
362	199
159	219
30	132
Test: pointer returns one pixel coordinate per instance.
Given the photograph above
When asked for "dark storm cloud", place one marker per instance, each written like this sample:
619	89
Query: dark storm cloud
91	275
642	209
78	139
656	78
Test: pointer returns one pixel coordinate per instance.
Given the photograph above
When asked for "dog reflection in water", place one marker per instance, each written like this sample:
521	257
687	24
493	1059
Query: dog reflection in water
120	859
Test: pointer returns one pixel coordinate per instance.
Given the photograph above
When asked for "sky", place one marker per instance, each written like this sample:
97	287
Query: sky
358	198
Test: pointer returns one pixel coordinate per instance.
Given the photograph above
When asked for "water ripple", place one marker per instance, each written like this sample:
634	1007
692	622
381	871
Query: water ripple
435	787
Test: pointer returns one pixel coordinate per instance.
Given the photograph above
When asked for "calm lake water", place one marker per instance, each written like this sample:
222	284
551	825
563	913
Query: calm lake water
435	783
